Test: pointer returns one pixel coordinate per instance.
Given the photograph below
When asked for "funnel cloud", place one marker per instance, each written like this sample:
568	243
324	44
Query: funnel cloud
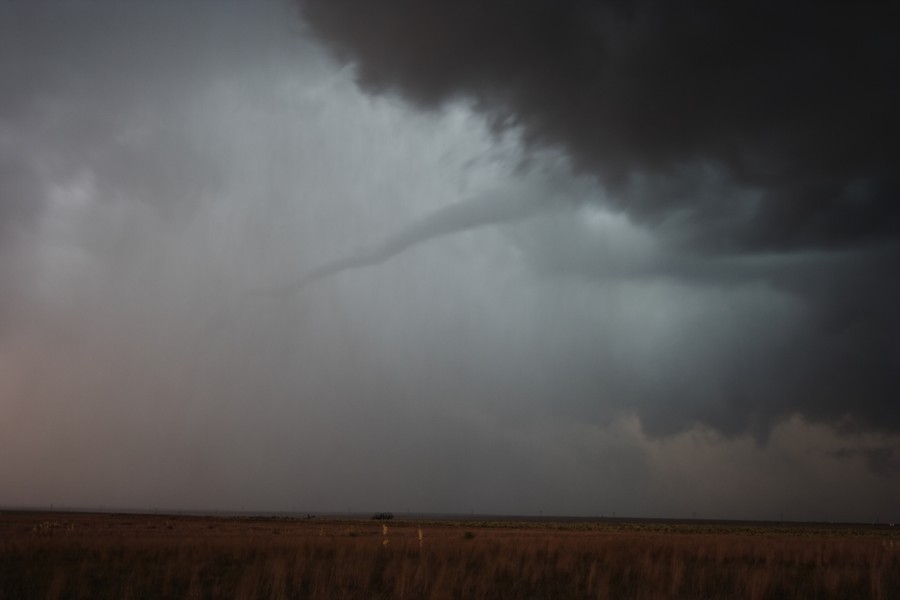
461	216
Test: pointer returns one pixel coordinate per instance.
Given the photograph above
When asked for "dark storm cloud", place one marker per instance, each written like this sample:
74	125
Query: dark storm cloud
759	141
158	159
796	102
833	357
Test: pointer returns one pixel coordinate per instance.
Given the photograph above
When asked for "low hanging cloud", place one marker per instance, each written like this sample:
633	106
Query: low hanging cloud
548	331
793	104
756	142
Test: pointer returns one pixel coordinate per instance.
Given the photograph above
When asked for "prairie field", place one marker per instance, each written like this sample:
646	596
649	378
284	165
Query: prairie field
72	555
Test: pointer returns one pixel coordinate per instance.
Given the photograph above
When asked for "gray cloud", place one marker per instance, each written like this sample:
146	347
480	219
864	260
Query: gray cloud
832	356
756	141
795	103
883	460
587	359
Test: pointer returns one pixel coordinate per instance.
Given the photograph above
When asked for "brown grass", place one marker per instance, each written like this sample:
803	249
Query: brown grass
128	556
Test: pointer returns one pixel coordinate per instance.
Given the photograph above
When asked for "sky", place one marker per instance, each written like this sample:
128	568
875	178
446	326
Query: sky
575	258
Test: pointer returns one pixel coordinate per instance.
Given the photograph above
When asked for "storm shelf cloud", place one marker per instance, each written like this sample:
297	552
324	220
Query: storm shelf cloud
794	103
569	256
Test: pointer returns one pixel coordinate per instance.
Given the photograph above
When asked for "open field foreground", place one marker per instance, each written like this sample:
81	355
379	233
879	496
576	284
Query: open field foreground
153	556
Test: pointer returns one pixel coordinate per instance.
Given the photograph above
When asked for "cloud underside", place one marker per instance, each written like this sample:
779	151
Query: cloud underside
794	103
758	139
653	284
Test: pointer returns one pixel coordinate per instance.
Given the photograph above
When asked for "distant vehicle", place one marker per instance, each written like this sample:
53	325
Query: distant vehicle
385	516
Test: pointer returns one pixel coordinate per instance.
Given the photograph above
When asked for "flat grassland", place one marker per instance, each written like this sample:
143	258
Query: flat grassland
70	555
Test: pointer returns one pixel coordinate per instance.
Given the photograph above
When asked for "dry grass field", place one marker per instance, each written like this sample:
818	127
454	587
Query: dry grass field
152	556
